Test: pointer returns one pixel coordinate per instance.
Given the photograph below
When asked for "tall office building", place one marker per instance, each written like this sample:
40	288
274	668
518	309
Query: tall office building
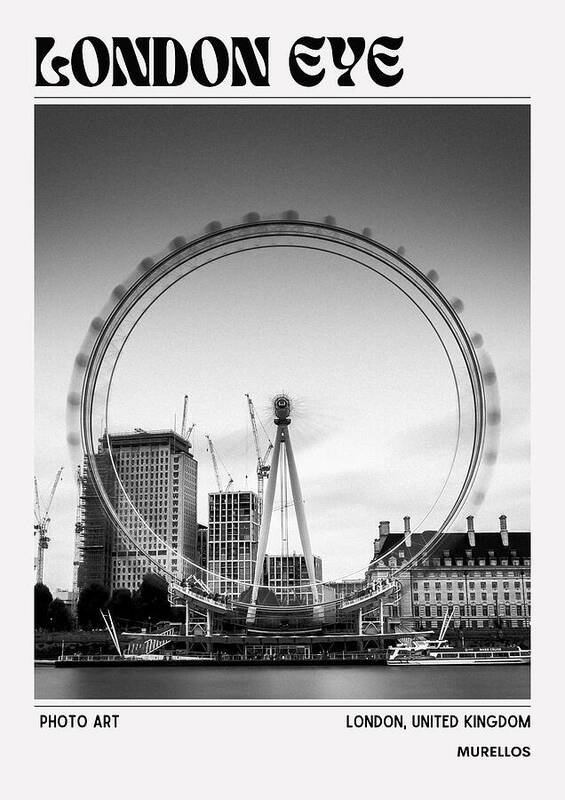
159	475
233	532
287	577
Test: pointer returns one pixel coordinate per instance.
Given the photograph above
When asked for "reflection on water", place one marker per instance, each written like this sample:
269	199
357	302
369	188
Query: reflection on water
373	682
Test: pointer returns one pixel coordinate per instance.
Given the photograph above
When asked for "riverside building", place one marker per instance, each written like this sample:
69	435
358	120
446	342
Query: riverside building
159	474
483	575
233	533
287	577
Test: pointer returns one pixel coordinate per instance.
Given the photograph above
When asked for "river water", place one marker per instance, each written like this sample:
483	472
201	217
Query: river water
316	682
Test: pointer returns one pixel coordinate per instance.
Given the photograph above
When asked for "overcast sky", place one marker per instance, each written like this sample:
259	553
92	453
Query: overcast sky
375	407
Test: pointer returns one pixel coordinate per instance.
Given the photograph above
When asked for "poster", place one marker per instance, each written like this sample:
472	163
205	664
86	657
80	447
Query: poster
316	227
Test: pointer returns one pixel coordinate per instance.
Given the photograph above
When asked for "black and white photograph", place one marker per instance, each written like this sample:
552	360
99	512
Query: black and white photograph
282	402
282	399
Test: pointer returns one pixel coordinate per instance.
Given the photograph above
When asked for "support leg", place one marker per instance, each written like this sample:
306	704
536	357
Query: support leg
265	525
301	516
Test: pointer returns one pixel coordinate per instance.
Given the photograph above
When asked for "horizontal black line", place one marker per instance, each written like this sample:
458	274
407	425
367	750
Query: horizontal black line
271	705
279	97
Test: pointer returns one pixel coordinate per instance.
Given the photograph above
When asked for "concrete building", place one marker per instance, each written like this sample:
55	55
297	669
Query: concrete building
159	475
65	595
483	576
287	577
233	532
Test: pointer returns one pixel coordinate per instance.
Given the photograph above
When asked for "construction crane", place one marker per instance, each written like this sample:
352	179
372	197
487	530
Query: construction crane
263	468
185	430
79	532
42	525
212	450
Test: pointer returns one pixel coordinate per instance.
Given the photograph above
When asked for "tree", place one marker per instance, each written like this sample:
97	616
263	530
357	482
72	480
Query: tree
121	605
59	616
91	599
151	599
42	599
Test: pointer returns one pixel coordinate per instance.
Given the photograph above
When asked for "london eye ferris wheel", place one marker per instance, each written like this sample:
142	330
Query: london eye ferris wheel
474	379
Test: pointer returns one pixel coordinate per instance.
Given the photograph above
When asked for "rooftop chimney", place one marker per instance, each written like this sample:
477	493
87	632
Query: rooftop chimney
382	533
471	530
503	530
407	532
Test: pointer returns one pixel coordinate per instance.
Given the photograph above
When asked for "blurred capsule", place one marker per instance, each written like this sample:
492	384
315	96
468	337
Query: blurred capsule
73	439
330	221
477	340
432	276
177	243
252	216
146	264
73	399
97	324
291	215
478	497
489	377
401	251
490	457
494	417
367	233
214	226
118	292
81	360
457	305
